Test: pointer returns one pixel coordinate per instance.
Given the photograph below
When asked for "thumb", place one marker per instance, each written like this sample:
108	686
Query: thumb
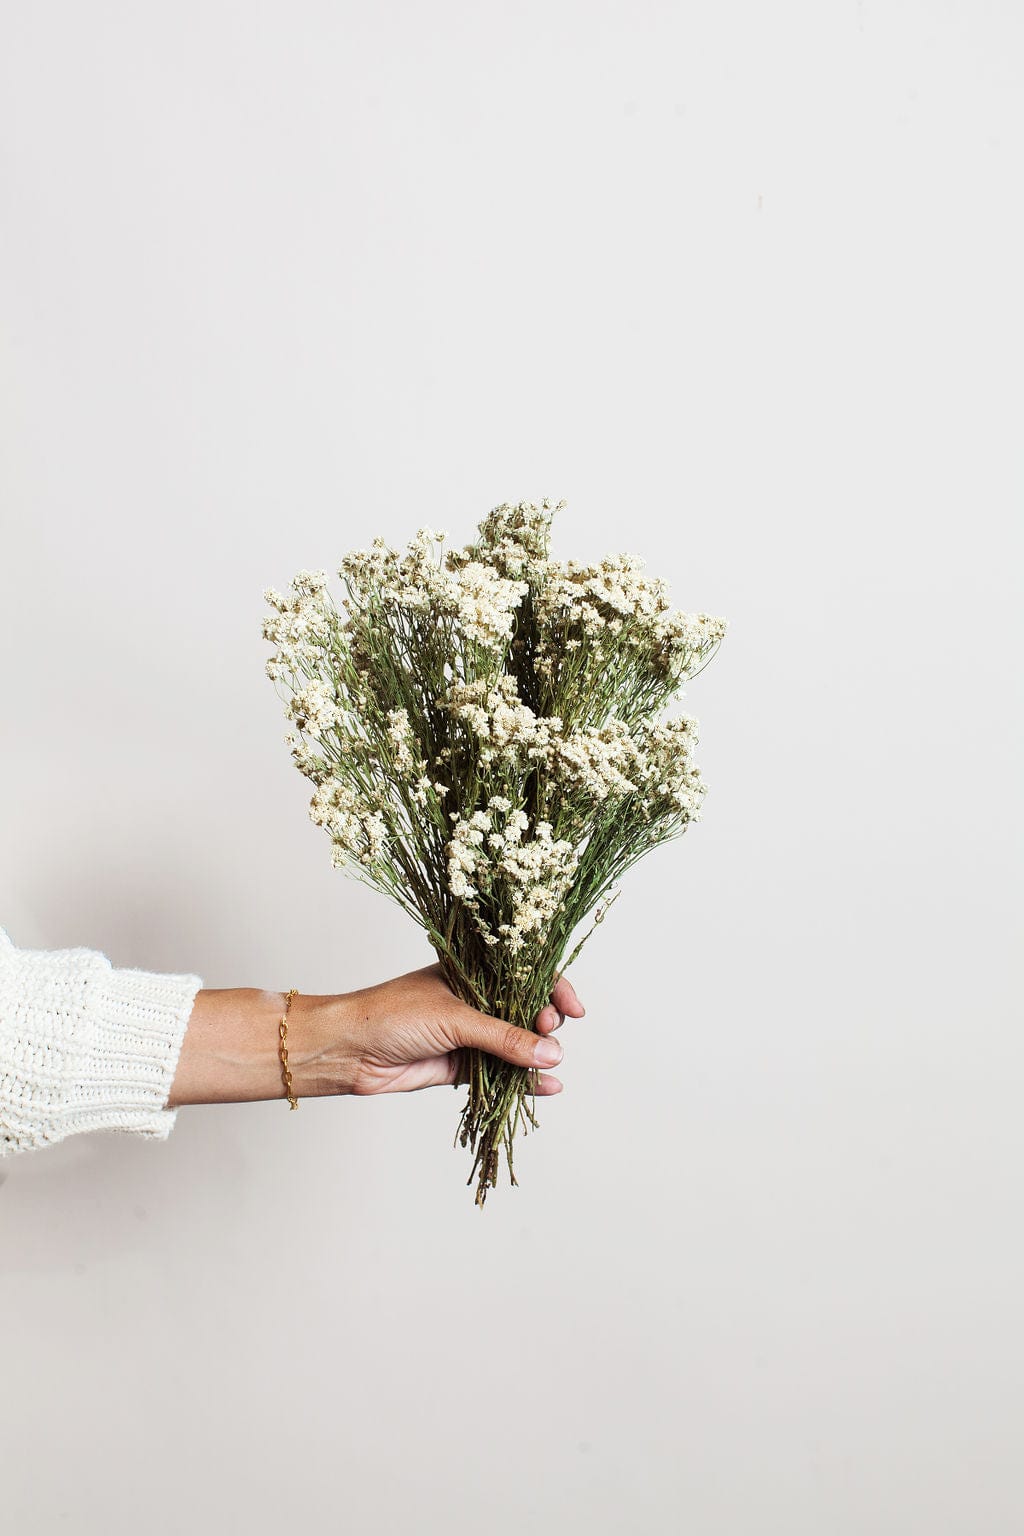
509	1041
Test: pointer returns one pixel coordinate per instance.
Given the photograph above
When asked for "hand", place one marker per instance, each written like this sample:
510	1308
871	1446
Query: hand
400	1035
409	1033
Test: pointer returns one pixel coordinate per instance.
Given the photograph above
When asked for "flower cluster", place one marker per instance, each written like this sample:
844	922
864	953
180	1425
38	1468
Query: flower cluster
475	597
610	606
599	760
594	597
669	780
594	762
505	729
402	741
514	887
356	829
683	641
300	626
514	539
312	765
314	708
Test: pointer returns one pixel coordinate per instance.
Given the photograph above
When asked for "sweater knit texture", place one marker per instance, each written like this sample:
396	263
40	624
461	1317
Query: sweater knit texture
85	1047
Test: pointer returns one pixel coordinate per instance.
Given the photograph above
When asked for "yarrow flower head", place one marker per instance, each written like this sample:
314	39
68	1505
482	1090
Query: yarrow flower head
515	539
475	599
515	885
357	829
300	625
503	726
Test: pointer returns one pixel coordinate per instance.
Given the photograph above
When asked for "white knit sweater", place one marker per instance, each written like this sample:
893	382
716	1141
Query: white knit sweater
85	1047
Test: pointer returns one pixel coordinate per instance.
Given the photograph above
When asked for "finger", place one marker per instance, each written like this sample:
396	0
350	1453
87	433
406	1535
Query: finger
564	998
548	1019
544	1085
509	1041
448	1069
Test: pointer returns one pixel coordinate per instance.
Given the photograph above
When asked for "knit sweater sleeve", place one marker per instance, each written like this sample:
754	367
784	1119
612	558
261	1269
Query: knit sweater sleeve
85	1047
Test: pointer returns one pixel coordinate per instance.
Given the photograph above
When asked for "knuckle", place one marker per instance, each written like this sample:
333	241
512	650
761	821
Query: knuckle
513	1040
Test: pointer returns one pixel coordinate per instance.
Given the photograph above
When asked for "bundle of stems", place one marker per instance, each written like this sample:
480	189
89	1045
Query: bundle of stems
485	731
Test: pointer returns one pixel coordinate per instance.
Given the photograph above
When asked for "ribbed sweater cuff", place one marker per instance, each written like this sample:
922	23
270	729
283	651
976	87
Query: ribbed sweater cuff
137	1023
86	1047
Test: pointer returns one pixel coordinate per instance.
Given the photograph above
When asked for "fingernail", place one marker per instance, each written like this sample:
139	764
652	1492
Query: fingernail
547	1052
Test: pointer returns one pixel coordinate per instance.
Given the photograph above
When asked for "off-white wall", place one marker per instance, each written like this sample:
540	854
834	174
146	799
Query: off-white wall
742	282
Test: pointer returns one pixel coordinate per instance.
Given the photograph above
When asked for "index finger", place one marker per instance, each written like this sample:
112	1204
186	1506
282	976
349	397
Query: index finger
565	1000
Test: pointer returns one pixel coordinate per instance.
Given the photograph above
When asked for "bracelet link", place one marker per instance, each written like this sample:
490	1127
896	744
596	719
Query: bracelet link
283	1048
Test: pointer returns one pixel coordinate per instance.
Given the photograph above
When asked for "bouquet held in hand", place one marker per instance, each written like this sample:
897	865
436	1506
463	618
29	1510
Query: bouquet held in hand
486	735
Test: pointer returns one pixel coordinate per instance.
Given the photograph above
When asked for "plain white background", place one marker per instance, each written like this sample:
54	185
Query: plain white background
742	283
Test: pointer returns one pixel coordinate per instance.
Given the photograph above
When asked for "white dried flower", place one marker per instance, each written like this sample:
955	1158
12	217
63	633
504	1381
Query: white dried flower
300	624
314	708
504	727
357	830
401	740
666	770
514	537
684	640
309	582
524	882
597	760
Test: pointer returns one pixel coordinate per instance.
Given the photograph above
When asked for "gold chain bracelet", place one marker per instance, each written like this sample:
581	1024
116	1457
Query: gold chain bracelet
283	1030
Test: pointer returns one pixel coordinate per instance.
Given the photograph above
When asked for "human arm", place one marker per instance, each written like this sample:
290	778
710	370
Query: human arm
395	1037
85	1046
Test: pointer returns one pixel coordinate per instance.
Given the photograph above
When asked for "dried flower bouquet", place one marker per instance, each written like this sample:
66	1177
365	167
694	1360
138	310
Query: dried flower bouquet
481	727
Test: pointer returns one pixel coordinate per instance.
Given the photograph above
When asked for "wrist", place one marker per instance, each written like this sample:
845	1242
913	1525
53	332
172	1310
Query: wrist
327	1032
231	1050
